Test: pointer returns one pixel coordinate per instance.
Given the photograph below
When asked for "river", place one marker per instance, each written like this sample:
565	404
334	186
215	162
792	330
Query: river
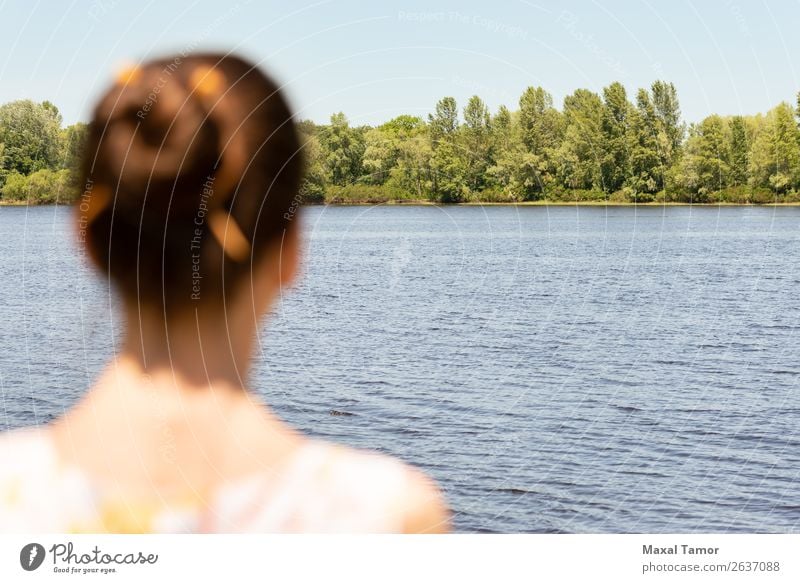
556	369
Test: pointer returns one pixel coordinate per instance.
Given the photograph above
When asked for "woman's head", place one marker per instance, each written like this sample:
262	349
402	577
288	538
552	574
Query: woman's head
191	180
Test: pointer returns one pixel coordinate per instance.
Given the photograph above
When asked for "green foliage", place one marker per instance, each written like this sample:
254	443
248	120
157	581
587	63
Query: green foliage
444	121
646	171
414	169
774	159
670	128
656	135
380	155
706	166
540	129
38	160
31	136
597	148
476	140
73	141
344	148
738	151
15	187
581	153
448	162
42	187
616	113
365	194
312	188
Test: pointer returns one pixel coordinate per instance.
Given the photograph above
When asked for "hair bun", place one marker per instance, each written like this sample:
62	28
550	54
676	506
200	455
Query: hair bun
159	139
193	168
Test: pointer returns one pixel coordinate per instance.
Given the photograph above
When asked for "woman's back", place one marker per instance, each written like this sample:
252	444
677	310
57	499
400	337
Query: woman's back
319	487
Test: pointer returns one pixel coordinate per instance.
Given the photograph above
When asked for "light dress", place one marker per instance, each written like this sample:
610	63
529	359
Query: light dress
322	488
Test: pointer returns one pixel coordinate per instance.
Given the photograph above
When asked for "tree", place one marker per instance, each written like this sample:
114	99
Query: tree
411	152
380	155
706	164
581	151
775	155
312	188
449	171
30	132
414	169
668	113
541	131
501	129
476	142
73	142
738	151
797	108
646	167
505	147
443	122
616	113
344	150
384	146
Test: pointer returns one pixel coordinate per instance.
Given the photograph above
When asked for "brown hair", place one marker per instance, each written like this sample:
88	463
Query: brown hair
192	167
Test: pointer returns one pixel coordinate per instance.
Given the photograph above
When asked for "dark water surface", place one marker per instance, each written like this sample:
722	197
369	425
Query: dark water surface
557	369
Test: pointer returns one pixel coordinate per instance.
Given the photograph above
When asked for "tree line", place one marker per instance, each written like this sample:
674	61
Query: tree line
597	147
39	158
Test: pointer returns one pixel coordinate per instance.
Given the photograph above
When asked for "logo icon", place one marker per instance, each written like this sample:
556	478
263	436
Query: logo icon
31	556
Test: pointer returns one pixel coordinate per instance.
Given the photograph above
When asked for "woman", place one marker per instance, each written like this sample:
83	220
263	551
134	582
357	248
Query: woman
192	175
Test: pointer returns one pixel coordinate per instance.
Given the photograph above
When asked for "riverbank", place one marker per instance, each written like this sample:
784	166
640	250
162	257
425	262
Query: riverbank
554	203
411	202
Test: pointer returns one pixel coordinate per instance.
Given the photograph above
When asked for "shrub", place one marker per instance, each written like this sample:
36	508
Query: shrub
364	194
41	187
495	195
16	187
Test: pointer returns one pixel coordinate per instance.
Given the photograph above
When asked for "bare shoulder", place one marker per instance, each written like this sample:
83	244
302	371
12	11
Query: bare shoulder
25	454
24	444
426	511
416	499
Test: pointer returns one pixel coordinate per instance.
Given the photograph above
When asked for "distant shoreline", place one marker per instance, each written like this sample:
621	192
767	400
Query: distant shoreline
522	203
551	203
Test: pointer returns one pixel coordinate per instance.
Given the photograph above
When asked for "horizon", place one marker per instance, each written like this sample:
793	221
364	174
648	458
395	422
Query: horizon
374	63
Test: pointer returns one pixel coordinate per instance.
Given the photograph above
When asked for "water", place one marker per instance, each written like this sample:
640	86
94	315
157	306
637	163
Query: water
557	369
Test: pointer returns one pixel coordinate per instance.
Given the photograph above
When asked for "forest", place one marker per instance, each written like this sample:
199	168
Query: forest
596	148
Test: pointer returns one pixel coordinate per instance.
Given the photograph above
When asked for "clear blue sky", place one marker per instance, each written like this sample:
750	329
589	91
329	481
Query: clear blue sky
375	60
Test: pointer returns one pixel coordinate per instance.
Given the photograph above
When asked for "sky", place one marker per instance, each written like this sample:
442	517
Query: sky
376	60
